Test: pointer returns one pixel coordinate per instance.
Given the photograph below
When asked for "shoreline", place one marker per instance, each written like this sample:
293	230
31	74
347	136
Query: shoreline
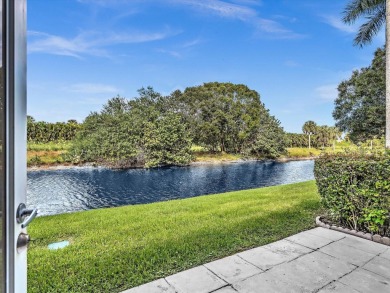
192	164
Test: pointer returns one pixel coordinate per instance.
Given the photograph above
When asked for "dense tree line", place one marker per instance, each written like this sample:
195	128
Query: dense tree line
360	108
42	132
313	136
154	130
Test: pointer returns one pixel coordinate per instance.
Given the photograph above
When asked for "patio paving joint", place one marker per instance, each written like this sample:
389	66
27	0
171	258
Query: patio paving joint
219	277
314	249
227	286
171	285
375	273
262	270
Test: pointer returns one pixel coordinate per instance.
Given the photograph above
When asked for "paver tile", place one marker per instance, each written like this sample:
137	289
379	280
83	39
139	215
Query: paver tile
380	266
196	280
366	282
347	253
265	283
337	287
266	258
386	254
364	244
309	240
226	290
327	233
158	286
312	271
287	248
233	269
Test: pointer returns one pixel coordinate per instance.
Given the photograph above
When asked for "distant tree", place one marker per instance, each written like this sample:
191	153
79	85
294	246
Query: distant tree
297	140
309	128
334	134
167	142
323	135
135	133
221	115
229	118
42	132
269	140
374	11
30	119
360	107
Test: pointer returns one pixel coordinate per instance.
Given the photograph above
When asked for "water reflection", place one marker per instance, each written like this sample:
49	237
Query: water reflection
61	191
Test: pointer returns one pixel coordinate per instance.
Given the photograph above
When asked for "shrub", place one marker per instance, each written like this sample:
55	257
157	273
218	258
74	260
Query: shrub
355	189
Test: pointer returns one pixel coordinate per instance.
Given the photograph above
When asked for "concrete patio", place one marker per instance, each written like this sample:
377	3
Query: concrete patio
317	260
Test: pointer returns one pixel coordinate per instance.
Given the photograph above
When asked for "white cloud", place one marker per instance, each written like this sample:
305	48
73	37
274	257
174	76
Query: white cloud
192	43
172	53
291	63
92	88
235	9
337	23
221	8
89	43
327	92
243	13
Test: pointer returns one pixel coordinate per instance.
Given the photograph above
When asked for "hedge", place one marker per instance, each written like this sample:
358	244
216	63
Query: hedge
355	190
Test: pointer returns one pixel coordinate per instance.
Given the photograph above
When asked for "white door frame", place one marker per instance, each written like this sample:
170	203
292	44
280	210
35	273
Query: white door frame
14	48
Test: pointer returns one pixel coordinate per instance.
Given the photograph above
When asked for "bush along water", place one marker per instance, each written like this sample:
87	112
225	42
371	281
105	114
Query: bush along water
355	190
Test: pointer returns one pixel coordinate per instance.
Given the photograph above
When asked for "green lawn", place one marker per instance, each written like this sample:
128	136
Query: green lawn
118	248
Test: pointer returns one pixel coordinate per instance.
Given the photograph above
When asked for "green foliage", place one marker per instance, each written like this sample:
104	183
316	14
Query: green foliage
374	13
318	136
230	118
355	188
136	133
49	146
269	140
154	130
297	140
309	128
44	132
360	107
167	142
114	249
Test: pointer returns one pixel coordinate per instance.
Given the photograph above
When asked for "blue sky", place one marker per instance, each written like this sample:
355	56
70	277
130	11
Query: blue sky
294	53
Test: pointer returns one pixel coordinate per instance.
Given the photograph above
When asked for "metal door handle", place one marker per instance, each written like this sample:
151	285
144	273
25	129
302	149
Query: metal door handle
24	216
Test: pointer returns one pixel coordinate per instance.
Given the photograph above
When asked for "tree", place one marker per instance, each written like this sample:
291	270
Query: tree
309	128
143	132
229	118
377	13
334	134
222	116
269	140
360	105
323	135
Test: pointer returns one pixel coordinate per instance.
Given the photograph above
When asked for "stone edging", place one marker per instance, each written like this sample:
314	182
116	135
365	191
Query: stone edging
368	236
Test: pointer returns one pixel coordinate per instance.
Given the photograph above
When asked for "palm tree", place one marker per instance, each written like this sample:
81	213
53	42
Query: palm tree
323	135
377	13
309	128
334	134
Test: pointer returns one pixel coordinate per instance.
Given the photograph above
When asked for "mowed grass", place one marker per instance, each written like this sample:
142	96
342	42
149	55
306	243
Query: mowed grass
118	248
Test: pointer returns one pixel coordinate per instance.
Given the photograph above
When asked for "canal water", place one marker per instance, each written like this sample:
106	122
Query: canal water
76	189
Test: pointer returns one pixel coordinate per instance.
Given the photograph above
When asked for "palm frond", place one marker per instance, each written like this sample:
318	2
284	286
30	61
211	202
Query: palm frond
357	8
369	29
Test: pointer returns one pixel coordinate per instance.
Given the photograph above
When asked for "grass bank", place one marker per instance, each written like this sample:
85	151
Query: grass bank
47	153
118	248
